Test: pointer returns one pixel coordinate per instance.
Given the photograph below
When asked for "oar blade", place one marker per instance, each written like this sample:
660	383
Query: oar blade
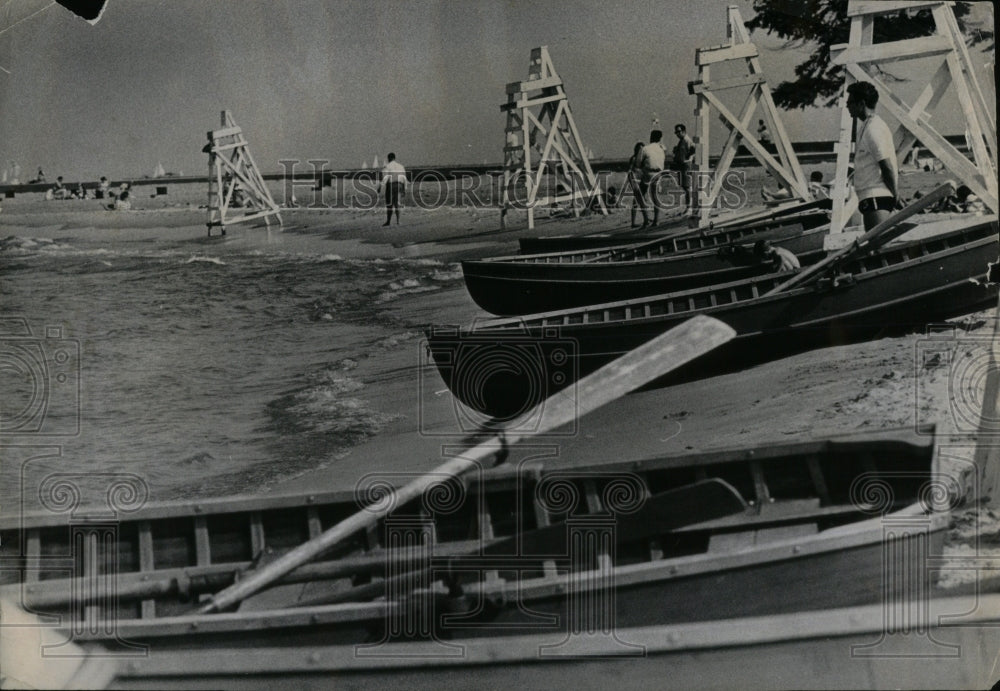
633	370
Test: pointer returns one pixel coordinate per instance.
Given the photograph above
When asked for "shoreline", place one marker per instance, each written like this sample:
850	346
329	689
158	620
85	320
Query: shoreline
844	389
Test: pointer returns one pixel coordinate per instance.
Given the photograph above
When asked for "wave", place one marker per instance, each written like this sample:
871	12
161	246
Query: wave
205	260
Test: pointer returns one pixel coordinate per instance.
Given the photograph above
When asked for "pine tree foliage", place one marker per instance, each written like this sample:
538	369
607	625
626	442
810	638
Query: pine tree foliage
821	24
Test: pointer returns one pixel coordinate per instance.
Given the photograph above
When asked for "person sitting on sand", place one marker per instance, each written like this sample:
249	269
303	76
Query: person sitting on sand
962	201
80	192
780	258
103	189
122	203
59	190
817	189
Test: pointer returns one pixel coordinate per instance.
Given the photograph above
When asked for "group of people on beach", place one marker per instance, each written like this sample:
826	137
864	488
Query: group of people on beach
876	170
59	190
647	165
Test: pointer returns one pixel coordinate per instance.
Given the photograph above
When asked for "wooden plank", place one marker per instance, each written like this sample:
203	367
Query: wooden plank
924	47
723	84
534	84
712	55
946	21
759	485
313	523
225	132
486	533
33	554
927	100
590	494
530	103
979	153
147	563
819	482
861	7
701	200
202	547
258	541
543	520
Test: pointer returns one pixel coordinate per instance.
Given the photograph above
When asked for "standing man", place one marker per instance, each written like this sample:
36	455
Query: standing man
651	161
875	170
393	186
683	160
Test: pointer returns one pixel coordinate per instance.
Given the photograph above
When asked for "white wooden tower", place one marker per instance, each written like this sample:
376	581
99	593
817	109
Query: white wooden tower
542	139
781	162
862	59
236	188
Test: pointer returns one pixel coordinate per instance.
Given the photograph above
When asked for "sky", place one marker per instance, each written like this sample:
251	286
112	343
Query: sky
346	80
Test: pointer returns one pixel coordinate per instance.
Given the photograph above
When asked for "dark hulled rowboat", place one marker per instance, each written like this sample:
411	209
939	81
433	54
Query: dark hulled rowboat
808	513
522	285
502	367
809	214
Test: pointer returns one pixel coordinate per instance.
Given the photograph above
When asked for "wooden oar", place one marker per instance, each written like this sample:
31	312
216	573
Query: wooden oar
874	238
662	513
640	366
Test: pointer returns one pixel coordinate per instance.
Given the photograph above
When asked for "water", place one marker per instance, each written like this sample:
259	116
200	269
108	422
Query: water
214	371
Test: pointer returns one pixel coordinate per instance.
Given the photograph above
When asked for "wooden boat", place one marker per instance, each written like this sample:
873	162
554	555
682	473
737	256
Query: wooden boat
504	366
951	643
809	214
522	285
808	513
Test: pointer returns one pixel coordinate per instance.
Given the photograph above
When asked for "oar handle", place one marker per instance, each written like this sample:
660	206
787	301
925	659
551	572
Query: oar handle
640	366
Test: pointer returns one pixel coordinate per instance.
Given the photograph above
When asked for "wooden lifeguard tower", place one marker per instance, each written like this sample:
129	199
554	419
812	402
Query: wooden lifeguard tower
785	168
542	138
236	189
861	58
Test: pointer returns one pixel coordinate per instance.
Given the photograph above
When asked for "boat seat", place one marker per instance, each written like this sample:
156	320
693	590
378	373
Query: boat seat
734	542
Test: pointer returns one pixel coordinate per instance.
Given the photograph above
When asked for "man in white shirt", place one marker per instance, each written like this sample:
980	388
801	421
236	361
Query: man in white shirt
875	169
652	158
393	186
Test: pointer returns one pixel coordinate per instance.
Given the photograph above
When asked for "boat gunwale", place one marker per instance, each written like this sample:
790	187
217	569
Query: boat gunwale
856	623
535	259
219	506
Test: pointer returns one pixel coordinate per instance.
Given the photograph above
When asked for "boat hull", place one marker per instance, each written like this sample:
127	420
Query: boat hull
510	288
897	290
835	648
